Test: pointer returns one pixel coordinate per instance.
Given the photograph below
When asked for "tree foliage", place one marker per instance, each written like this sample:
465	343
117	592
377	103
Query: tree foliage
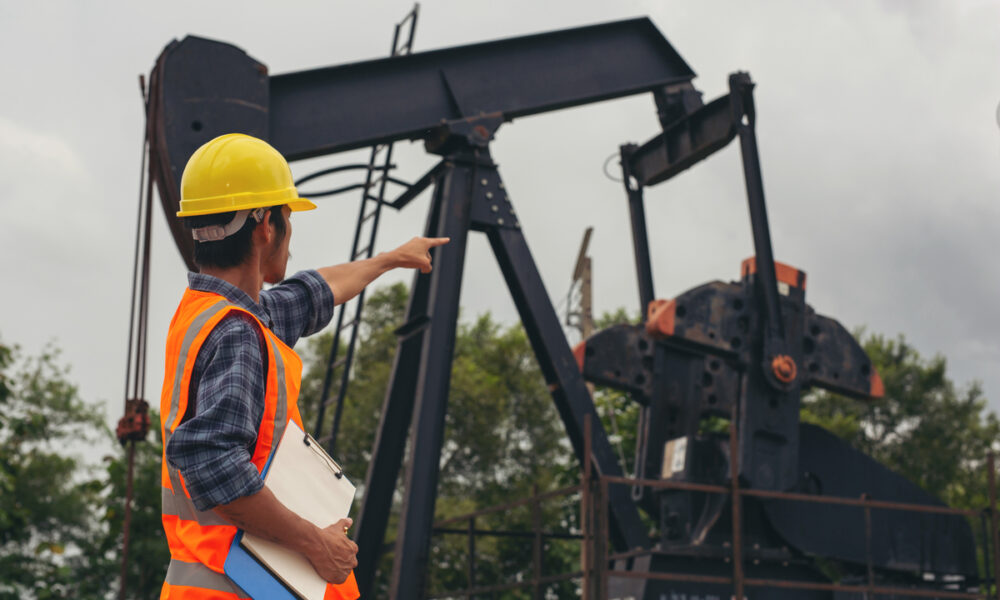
502	437
148	551
48	499
61	520
60	517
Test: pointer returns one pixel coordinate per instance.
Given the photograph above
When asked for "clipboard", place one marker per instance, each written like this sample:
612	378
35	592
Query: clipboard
305	479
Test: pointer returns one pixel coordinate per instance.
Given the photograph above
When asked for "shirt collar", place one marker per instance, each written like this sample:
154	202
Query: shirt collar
207	283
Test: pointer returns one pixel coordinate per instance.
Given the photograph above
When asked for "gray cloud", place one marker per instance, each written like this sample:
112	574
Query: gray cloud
877	127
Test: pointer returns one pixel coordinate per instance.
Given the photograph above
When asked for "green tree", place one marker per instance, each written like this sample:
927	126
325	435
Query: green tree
148	550
502	436
48	498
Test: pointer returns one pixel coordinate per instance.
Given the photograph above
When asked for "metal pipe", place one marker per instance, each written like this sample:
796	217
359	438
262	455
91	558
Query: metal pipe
502	587
991	464
925	508
341	168
335	191
472	556
984	529
718	489
878	590
506	534
680	577
640	236
144	160
413	25
604	533
585	511
127	522
868	547
795	585
563	491
536	547
734	476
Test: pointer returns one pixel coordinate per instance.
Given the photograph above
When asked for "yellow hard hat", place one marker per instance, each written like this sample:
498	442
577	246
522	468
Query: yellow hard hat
237	172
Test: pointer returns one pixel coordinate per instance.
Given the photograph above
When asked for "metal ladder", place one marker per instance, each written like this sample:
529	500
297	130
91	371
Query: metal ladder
369	213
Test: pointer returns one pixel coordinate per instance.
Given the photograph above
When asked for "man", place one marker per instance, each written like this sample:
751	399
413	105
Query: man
232	378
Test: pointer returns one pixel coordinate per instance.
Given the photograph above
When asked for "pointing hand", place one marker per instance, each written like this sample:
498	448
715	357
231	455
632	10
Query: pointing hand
415	254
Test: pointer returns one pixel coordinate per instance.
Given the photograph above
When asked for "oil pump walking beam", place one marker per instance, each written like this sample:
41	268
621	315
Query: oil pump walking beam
339	108
206	88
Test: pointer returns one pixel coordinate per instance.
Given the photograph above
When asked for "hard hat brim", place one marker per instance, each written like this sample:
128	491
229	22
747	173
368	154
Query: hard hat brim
215	206
301	204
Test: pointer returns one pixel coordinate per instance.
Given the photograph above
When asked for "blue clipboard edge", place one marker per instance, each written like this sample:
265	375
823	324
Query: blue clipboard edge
249	573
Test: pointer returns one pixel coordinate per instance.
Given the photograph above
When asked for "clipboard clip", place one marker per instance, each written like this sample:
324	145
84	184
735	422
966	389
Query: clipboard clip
338	471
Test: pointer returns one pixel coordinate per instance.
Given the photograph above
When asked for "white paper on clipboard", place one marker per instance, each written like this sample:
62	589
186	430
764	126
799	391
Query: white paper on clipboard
305	479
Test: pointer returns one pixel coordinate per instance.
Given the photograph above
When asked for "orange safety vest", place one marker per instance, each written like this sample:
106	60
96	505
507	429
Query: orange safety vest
199	540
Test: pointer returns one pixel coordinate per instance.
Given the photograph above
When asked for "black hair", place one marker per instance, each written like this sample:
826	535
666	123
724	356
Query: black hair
235	249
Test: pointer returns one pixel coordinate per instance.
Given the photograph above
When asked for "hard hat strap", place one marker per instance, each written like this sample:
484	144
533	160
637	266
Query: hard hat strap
214	233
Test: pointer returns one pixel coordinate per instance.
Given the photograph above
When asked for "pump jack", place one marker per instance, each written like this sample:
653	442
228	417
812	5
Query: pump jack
744	350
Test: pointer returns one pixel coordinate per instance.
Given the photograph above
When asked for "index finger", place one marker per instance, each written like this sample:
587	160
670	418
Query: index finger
432	242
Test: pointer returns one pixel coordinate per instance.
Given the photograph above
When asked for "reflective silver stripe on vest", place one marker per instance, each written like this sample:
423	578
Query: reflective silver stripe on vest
178	505
281	410
199	576
189	335
175	502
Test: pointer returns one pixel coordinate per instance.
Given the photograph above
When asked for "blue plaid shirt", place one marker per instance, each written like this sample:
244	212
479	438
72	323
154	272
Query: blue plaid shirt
213	445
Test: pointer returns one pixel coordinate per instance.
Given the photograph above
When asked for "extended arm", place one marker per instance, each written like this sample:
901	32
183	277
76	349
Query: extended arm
347	280
329	550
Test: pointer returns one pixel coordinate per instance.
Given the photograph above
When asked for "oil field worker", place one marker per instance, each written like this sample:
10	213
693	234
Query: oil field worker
232	379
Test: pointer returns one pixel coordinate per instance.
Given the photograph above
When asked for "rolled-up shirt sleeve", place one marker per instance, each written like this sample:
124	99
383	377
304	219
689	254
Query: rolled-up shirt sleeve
299	306
213	446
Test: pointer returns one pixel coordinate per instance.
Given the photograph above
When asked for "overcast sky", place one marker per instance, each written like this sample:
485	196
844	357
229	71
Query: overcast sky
877	126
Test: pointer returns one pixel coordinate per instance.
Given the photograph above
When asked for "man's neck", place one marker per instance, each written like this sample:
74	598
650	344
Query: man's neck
246	277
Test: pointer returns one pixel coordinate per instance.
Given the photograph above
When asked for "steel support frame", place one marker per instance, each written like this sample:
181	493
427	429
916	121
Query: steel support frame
640	236
416	399
400	400
744	114
558	366
690	138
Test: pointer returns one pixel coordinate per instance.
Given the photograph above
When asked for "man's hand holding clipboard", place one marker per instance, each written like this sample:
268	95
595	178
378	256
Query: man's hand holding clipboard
334	555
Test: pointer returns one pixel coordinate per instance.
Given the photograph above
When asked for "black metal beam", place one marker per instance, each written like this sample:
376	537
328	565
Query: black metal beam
566	384
322	111
430	394
640	236
684	142
206	88
742	107
394	423
212	87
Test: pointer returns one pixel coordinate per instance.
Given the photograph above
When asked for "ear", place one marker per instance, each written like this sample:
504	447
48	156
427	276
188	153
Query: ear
263	232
